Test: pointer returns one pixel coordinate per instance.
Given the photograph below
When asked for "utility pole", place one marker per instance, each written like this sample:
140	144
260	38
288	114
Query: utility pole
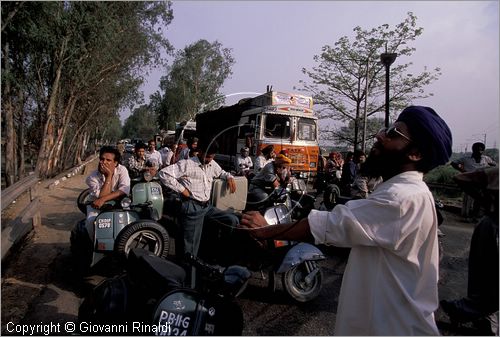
363	142
387	59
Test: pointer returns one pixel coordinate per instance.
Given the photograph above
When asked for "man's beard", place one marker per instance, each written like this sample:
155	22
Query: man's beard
384	164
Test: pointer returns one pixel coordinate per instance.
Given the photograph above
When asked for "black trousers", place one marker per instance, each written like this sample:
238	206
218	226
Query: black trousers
482	286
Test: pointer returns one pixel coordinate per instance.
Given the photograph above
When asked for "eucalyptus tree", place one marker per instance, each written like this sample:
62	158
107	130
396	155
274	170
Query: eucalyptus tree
349	78
192	82
141	124
75	53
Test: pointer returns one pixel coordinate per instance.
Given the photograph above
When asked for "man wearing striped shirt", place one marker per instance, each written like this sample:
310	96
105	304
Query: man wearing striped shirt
192	178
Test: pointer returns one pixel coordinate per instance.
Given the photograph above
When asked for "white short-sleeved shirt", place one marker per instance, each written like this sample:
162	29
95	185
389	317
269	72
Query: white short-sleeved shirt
154	157
260	162
390	284
121	181
243	164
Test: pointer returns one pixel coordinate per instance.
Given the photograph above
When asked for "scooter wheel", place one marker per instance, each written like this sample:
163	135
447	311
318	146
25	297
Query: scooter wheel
147	235
82	200
296	284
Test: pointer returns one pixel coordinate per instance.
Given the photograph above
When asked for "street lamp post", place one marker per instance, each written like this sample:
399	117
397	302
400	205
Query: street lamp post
387	59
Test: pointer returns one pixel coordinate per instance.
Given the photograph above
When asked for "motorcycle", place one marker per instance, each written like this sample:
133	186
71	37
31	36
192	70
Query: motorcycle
151	296
121	226
296	263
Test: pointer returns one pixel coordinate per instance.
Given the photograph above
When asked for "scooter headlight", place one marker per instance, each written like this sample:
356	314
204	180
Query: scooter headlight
147	176
126	202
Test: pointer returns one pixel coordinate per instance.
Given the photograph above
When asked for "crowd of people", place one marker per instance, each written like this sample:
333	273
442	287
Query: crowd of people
390	284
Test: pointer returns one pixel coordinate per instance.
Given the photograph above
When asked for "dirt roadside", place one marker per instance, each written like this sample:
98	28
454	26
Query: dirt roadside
37	283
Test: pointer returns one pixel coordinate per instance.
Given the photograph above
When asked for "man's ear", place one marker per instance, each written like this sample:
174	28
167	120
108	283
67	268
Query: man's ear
414	155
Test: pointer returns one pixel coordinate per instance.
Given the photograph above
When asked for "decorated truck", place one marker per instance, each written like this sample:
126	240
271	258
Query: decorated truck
285	120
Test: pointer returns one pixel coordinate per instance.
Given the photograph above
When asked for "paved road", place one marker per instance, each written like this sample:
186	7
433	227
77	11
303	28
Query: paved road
38	284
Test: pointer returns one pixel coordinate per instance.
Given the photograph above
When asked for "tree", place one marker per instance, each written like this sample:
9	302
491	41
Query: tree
141	124
350	73
71	66
192	83
344	135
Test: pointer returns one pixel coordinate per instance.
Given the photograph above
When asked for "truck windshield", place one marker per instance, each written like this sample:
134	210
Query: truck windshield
277	126
307	129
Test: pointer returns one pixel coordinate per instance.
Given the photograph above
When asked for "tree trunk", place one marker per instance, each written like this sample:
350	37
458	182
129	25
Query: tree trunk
20	151
21	135
10	161
44	164
55	153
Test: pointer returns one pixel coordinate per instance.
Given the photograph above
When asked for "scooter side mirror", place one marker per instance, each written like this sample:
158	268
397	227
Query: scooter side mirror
277	214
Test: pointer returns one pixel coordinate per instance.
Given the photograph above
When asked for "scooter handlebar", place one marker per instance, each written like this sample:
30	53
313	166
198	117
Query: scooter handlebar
213	270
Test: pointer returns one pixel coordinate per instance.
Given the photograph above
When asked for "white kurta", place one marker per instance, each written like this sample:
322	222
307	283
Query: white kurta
390	284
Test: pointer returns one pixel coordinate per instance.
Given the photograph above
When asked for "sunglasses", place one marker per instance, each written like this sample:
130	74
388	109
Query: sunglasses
392	132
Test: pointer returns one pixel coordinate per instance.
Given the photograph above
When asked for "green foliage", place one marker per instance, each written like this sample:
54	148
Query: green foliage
113	129
71	66
345	134
344	71
192	83
141	124
441	175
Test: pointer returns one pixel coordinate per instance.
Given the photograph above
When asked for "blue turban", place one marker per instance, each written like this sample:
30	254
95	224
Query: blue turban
429	132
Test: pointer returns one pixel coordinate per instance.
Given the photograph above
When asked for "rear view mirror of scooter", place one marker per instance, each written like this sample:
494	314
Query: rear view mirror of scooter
278	214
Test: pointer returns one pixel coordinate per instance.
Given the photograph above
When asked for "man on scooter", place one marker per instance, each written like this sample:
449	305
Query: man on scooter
109	182
390	283
138	164
274	174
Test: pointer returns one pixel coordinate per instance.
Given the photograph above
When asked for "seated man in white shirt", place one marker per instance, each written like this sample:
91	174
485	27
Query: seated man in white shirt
390	283
109	182
243	162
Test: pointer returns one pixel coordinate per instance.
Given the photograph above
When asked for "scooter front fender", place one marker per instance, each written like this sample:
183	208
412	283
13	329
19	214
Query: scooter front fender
300	253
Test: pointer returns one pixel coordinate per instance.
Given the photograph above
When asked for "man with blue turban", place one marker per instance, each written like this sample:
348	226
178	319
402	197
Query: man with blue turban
390	284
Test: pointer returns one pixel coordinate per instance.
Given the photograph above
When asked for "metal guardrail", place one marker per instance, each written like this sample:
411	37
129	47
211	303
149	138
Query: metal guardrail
21	226
29	216
12	192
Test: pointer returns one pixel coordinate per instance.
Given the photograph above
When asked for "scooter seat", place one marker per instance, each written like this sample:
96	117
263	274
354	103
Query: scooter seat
146	267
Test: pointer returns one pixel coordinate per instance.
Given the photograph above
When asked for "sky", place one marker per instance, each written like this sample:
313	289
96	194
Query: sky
272	41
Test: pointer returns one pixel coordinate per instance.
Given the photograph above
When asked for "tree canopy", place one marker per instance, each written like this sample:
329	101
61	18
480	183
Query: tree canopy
141	124
192	83
349	75
67	69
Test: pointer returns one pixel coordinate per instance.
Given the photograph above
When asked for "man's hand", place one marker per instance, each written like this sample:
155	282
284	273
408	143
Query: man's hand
231	184
107	169
253	219
186	194
97	203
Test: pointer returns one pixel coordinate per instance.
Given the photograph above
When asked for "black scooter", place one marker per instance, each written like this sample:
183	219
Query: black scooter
151	298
